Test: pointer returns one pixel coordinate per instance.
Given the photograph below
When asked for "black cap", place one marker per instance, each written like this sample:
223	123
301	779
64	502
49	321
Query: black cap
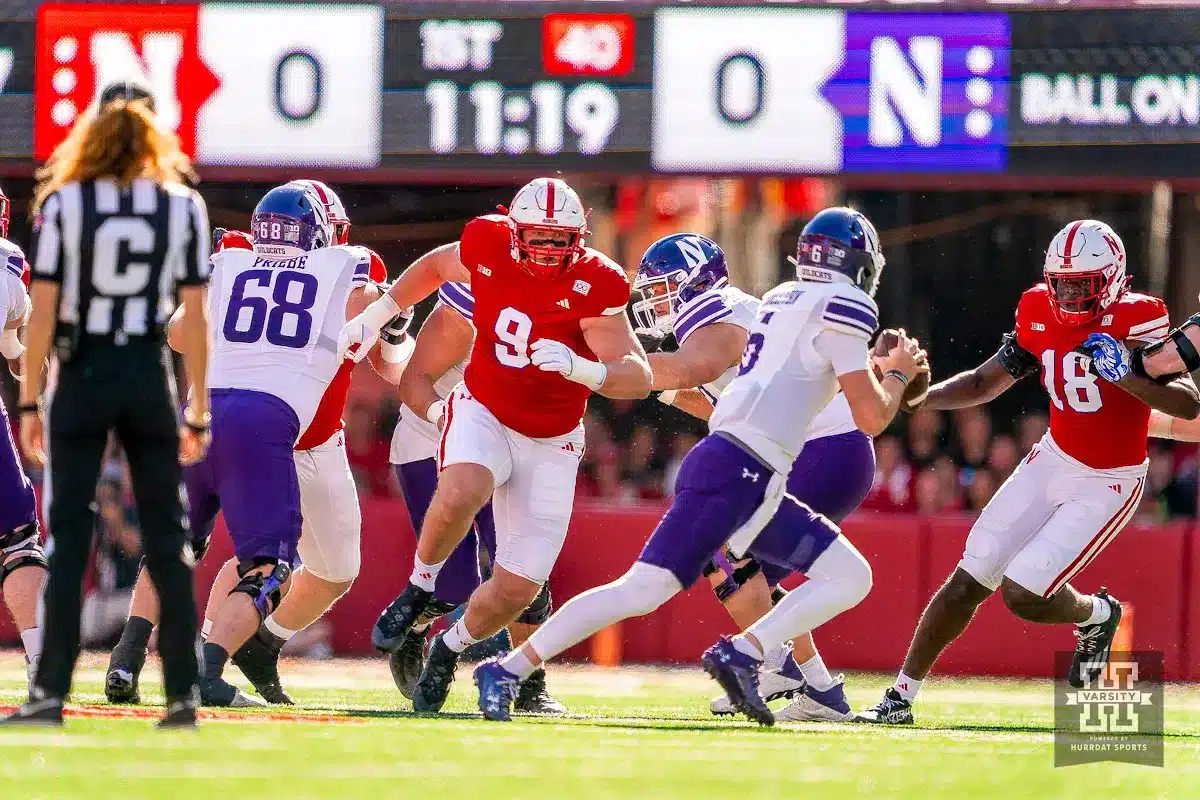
126	90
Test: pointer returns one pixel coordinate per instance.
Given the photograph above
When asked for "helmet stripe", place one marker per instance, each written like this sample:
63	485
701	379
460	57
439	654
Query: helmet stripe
1070	240
550	199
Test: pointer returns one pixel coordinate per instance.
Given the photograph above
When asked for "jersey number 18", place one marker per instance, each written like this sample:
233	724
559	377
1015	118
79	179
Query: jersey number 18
1079	386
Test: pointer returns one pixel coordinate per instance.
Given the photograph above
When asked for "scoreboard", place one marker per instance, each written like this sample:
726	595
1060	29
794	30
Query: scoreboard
624	88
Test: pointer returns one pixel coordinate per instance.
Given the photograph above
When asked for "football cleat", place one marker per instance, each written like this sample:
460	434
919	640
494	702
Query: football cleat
221	693
180	714
782	680
433	687
534	698
258	659
1093	645
498	689
891	710
407	662
814	706
737	673
44	711
397	620
121	686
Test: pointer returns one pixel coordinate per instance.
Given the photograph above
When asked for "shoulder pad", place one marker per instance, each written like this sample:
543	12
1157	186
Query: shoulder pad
705	309
1145	316
850	310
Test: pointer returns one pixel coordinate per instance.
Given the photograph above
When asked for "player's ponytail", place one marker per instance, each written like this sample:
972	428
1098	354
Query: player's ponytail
122	140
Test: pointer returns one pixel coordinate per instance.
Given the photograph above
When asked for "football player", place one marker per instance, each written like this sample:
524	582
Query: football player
22	562
1079	486
551	328
436	367
684	291
808	338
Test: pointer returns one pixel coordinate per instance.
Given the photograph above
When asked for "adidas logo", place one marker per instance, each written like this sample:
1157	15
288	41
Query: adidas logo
569	447
564	304
1116	487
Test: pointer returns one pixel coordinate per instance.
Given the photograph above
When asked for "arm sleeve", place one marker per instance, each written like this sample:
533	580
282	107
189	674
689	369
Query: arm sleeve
48	251
847	352
195	266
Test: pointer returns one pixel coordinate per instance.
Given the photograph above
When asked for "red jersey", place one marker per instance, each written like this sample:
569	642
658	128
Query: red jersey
1091	420
514	309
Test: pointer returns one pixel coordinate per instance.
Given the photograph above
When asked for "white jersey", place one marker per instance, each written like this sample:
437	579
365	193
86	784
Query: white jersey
416	438
734	307
14	300
274	323
805	335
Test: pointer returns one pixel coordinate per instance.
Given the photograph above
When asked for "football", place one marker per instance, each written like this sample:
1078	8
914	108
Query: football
918	387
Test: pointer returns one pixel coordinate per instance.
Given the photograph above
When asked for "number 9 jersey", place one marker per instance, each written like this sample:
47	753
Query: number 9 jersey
274	323
1091	420
513	309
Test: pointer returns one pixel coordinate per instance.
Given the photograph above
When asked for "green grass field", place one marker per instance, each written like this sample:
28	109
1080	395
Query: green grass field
634	732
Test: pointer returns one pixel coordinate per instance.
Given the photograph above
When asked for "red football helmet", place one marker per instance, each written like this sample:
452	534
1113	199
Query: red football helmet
1085	270
549	224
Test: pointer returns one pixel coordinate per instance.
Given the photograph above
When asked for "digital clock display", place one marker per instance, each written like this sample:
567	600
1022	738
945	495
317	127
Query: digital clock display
570	91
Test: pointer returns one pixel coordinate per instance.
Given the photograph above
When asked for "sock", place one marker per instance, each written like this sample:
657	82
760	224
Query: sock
907	687
278	630
215	657
816	674
206	628
32	639
131	649
425	575
1101	611
744	645
776	656
458	638
517	664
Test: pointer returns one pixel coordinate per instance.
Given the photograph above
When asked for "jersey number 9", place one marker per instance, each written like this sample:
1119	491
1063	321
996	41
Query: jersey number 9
284	317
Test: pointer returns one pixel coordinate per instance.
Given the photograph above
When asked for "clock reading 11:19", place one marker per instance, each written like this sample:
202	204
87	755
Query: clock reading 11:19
547	118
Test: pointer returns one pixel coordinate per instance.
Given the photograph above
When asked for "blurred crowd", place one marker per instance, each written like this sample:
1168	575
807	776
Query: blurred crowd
929	462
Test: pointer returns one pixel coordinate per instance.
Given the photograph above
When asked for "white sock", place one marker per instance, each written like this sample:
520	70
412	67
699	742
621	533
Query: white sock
206	628
776	656
816	674
1101	611
516	663
907	687
32	639
425	575
744	645
274	627
459	638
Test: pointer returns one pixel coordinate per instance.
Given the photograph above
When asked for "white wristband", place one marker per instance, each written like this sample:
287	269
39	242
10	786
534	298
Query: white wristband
10	344
668	397
590	373
434	412
379	313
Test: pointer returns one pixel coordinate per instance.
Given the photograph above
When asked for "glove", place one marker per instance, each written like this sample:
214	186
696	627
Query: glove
360	333
396	345
1110	358
551	356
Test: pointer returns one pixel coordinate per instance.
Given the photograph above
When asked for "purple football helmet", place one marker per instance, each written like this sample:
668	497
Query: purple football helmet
675	270
290	220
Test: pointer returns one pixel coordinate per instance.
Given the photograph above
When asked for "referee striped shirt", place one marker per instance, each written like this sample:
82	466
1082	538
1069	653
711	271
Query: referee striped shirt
119	253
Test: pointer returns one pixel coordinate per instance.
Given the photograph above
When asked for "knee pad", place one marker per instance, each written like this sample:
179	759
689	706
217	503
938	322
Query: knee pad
265	590
21	547
540	609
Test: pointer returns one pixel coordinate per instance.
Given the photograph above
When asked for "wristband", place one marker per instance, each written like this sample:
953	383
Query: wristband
668	397
898	375
397	353
590	373
379	313
434	413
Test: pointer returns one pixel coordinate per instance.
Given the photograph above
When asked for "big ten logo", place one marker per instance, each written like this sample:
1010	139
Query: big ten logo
82	48
453	45
587	44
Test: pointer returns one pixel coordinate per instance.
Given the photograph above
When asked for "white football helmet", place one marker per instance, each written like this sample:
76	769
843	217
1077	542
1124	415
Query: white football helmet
1085	270
333	207
549	223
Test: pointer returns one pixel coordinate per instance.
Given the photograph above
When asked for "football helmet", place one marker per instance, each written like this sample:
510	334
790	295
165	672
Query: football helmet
549	224
5	209
839	241
333	208
673	271
289	221
1085	271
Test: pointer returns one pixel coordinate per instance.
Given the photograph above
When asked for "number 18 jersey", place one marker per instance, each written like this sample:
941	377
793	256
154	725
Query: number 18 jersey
274	323
1091	420
513	309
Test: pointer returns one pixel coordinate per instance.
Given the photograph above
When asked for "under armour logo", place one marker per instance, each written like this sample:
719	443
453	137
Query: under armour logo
753	476
1116	487
564	304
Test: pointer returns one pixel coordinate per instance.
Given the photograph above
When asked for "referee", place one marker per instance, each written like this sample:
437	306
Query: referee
120	235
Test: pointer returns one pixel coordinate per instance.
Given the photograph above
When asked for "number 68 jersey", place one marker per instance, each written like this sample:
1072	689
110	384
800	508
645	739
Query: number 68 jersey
1091	420
513	309
274	323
